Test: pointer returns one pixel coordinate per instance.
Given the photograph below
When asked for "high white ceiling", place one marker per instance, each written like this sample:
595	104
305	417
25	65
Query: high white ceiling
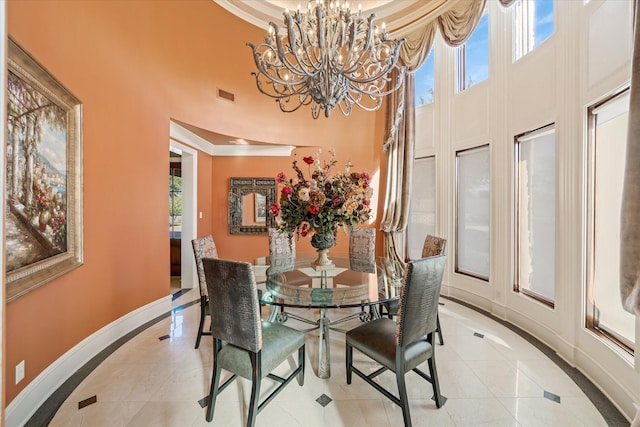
400	16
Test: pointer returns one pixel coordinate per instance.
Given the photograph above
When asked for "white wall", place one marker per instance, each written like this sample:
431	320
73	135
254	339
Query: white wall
587	58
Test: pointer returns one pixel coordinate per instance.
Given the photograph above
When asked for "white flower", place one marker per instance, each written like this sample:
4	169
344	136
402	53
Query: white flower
303	194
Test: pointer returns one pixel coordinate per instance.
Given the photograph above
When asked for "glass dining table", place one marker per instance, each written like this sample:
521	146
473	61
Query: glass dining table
351	283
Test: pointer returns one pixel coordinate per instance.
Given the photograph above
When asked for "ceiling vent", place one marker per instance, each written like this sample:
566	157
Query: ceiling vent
226	95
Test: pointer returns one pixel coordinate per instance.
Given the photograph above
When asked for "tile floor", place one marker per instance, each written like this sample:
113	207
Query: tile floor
490	374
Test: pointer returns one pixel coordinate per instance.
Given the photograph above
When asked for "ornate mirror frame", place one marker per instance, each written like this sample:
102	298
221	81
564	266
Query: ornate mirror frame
241	187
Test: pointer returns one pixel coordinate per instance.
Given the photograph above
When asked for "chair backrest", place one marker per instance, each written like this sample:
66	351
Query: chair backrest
203	247
418	307
281	244
235	310
362	243
433	246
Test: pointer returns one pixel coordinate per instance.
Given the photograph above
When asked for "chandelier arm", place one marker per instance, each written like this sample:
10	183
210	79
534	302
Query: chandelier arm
278	93
293	28
282	55
304	43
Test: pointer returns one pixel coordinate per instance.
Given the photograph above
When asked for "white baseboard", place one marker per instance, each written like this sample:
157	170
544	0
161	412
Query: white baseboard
20	410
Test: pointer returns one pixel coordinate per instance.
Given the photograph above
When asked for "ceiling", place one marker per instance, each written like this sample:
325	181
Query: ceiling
400	16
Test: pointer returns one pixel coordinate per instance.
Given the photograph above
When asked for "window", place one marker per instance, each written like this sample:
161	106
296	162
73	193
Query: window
536	213
473	56
175	203
422	209
534	23
472	245
425	82
607	149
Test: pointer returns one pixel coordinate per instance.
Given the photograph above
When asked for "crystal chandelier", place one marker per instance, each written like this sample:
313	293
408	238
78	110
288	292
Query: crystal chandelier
328	57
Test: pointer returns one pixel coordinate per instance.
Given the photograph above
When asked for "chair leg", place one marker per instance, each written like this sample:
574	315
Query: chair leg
438	329
202	316
435	383
215	382
301	362
256	377
402	395
349	358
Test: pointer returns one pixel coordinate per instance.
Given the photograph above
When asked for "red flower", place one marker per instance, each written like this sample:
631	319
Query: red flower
280	178
314	210
275	209
366	202
287	190
304	228
308	160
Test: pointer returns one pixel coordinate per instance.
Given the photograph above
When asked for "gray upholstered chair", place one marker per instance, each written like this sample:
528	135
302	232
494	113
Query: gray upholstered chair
403	345
203	247
253	348
433	246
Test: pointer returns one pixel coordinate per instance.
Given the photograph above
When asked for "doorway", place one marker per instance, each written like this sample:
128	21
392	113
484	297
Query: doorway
187	228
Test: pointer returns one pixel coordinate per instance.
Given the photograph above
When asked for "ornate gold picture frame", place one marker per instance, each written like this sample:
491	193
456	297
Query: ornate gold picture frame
43	229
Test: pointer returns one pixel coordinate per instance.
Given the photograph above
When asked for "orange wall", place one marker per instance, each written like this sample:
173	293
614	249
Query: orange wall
135	65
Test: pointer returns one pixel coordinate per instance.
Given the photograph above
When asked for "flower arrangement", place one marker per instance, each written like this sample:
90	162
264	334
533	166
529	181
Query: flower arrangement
321	203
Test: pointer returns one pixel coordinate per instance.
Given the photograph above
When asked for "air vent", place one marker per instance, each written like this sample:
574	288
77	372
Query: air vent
226	95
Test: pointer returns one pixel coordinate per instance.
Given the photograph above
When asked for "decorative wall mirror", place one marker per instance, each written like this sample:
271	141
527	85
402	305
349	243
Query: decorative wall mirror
249	201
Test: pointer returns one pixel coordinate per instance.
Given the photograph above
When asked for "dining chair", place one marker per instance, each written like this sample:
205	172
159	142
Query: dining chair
252	348
203	247
281	244
400	346
362	243
362	253
433	246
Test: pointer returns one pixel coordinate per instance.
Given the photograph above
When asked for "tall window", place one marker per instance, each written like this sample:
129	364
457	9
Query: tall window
175	203
473	56
424	79
607	146
534	23
536	213
422	209
472	248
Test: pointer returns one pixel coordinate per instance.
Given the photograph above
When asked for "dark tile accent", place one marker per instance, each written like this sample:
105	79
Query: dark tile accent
551	396
479	335
609	412
178	294
324	400
204	402
86	402
443	398
164	337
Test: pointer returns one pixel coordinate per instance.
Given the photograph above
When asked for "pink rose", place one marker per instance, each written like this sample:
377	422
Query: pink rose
280	178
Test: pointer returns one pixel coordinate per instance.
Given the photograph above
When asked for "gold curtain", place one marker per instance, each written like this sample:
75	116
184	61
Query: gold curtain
456	25
630	215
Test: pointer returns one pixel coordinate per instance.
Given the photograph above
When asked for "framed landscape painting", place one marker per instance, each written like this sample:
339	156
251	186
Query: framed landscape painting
43	228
